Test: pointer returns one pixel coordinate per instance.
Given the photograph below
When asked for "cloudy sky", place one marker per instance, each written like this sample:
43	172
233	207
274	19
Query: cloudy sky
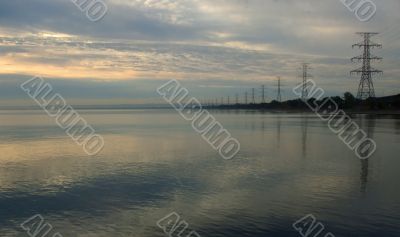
215	47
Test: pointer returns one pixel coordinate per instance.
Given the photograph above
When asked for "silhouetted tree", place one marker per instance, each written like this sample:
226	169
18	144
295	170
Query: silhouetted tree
349	99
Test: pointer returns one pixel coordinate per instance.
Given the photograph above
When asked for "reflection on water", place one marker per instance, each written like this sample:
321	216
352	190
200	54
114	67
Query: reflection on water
278	129
367	123
396	124
364	175
304	128
153	163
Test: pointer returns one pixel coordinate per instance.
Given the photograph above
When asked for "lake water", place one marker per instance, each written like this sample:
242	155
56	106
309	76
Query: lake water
153	163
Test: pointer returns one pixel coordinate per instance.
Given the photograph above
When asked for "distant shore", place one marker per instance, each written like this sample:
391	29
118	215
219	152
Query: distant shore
371	112
382	105
389	105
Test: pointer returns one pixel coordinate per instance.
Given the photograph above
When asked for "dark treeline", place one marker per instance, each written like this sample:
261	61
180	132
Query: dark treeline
348	102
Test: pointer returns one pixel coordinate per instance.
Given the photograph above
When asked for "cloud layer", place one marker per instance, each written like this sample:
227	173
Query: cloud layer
209	43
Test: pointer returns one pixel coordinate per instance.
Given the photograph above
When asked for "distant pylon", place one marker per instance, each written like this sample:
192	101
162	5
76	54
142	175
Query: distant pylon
245	98
305	76
279	96
263	94
229	102
366	86
253	96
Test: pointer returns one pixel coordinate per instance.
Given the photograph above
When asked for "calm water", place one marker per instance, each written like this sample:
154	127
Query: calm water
290	165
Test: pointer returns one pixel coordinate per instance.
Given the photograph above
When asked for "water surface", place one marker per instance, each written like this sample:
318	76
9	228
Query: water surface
153	163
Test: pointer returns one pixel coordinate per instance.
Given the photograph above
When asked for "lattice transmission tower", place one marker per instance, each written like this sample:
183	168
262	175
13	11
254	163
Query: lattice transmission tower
305	76
279	95
263	101
366	87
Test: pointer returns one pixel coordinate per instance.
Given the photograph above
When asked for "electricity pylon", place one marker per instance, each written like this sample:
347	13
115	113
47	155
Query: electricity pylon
253	96
245	98
305	76
279	96
366	87
263	94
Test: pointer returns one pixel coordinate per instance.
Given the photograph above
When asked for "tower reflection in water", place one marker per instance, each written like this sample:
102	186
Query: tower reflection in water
304	131
367	123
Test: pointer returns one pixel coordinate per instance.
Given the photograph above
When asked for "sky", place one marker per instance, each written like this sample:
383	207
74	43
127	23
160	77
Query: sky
216	48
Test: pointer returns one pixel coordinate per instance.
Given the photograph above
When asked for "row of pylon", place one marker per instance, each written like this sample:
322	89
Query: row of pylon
248	97
366	87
